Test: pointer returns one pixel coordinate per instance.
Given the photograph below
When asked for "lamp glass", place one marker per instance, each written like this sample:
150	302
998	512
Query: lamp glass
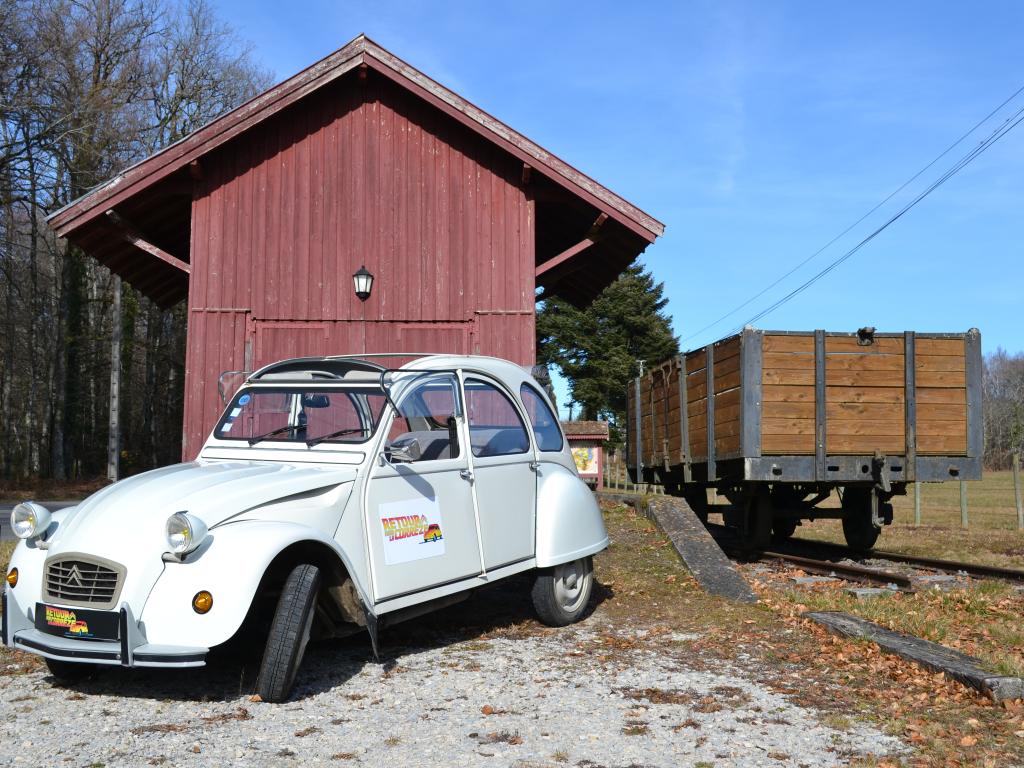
362	280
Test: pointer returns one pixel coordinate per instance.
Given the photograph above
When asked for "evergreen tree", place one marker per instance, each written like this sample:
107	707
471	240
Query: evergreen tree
597	348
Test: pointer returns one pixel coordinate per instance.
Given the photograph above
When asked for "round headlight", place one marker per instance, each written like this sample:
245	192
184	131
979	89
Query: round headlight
184	532
29	519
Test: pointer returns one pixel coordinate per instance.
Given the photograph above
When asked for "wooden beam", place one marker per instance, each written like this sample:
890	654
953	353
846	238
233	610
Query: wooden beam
131	235
195	170
564	256
527	170
593	235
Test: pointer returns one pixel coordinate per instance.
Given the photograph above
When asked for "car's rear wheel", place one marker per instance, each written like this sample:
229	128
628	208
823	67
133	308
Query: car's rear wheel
289	633
69	672
561	594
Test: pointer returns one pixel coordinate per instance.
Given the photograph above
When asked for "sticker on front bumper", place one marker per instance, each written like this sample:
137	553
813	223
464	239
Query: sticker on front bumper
78	623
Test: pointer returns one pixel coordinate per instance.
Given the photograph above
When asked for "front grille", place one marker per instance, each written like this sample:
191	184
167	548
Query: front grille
82	580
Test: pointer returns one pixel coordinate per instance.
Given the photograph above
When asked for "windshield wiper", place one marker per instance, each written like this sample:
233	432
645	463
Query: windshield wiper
339	433
271	433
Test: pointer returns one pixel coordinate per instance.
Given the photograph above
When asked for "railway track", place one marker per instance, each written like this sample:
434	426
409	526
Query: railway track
828	559
844	570
799	552
945	566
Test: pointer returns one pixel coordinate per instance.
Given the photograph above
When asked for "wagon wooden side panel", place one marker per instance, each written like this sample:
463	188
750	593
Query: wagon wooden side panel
787	391
778	406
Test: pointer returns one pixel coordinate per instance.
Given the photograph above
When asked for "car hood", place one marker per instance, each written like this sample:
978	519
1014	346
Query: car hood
134	511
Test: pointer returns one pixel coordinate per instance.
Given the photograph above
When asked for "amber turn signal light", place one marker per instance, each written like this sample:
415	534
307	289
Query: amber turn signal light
12	578
202	602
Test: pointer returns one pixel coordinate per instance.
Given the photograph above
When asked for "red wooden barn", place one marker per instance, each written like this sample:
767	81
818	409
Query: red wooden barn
261	217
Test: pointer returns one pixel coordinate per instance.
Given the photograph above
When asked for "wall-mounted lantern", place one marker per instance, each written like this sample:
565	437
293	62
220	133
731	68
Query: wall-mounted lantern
363	282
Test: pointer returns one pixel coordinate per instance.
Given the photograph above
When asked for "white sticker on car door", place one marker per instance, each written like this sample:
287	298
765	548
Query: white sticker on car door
411	530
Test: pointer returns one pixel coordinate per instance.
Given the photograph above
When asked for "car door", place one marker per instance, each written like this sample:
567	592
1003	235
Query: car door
419	513
503	466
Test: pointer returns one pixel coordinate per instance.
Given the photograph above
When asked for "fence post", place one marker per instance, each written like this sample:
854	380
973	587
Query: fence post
917	503
1016	490
963	504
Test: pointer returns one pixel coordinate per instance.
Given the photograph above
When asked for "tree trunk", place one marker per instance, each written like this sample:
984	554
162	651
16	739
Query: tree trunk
114	430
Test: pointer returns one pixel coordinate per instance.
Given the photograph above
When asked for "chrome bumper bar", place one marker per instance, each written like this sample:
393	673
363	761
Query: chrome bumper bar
131	650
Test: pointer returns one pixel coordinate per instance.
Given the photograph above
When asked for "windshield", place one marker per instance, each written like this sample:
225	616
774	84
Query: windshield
302	414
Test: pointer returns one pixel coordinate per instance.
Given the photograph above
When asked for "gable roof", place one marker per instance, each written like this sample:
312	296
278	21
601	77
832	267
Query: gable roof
87	219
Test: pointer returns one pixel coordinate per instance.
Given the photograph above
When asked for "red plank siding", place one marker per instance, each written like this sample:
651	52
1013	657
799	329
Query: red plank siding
352	176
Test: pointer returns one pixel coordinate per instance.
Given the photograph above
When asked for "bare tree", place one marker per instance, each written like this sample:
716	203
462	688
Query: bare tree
86	88
1004	408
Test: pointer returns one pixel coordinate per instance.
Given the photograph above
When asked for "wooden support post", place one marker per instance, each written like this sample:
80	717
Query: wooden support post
917	503
963	504
1016	490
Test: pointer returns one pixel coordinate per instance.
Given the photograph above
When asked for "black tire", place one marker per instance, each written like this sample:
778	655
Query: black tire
558	604
289	633
70	672
859	531
783	529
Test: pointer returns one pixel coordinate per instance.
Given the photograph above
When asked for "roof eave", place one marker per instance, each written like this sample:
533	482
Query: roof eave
361	50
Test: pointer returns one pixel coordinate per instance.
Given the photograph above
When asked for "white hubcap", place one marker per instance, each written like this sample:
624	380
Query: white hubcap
571	582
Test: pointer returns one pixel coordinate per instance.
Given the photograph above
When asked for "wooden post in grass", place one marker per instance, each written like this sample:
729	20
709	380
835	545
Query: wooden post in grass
963	504
1016	490
917	503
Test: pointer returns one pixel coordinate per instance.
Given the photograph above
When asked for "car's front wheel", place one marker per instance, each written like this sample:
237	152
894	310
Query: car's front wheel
561	594
289	633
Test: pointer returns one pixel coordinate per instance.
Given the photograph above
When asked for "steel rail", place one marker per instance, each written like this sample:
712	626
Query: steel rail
972	569
846	571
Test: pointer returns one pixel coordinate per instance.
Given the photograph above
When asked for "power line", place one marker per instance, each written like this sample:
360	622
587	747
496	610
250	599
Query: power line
823	248
1012	122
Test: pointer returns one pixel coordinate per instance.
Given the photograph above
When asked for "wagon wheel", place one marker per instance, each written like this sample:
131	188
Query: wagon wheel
757	533
858	528
783	529
785	500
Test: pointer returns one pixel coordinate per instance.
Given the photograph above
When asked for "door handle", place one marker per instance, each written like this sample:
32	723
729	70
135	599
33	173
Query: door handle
466	474
535	466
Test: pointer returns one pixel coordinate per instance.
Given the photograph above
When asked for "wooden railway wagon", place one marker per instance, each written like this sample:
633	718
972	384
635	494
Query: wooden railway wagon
792	416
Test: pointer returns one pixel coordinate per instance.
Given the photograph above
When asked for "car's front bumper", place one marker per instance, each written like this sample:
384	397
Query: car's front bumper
130	650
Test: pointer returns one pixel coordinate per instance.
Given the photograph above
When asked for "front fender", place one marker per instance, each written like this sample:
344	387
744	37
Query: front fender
569	522
230	569
29	558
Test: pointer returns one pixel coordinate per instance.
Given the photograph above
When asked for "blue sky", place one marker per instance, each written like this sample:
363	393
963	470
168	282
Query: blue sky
756	131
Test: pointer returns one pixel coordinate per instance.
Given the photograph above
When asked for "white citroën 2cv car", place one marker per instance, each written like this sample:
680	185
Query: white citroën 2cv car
341	493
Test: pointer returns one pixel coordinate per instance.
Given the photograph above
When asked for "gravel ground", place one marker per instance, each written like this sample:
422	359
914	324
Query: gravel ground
585	696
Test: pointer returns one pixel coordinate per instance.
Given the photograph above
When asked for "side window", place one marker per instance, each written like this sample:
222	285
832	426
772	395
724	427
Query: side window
545	425
426	416
495	428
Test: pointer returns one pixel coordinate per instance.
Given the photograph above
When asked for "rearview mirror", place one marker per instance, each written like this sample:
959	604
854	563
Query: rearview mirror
405	451
315	401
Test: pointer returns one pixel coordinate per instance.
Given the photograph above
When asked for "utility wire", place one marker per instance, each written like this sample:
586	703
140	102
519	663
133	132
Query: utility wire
1012	122
825	247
